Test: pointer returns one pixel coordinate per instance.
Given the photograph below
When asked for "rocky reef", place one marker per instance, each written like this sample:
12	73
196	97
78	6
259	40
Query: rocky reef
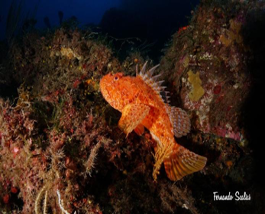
61	150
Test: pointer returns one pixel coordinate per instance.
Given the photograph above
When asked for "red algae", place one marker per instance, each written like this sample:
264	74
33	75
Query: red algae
217	89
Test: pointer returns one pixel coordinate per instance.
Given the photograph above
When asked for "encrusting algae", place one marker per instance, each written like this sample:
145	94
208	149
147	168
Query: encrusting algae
197	90
139	100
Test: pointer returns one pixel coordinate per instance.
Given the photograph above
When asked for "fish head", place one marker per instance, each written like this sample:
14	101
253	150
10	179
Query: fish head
118	90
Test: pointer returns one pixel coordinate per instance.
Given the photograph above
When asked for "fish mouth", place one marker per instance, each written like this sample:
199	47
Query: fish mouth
104	87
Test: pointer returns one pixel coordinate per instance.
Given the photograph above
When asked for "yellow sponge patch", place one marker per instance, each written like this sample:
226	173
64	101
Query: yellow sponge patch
197	90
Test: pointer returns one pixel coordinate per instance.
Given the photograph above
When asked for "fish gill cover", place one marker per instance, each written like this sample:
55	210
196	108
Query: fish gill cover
61	148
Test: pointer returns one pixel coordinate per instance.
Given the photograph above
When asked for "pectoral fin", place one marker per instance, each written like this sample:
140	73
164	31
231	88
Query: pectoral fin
139	129
132	116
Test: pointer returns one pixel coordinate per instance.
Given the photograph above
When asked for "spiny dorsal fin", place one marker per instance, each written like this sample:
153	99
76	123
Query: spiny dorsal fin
179	120
152	81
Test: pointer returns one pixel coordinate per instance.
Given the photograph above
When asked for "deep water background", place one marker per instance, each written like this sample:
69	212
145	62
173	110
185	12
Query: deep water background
85	11
147	24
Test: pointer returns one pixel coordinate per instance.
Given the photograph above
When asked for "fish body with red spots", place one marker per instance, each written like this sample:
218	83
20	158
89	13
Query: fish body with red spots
141	104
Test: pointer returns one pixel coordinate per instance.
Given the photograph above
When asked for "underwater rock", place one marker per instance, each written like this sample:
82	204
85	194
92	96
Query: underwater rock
207	65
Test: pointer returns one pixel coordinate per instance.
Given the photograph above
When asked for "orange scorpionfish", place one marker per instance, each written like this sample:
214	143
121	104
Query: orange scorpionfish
141	104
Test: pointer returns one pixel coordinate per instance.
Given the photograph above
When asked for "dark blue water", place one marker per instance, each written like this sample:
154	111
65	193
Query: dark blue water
85	11
162	17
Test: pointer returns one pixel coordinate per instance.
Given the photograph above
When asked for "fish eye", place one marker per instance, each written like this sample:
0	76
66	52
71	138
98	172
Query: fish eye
116	78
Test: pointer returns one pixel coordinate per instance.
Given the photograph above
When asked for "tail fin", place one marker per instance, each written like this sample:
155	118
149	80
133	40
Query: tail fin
183	162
